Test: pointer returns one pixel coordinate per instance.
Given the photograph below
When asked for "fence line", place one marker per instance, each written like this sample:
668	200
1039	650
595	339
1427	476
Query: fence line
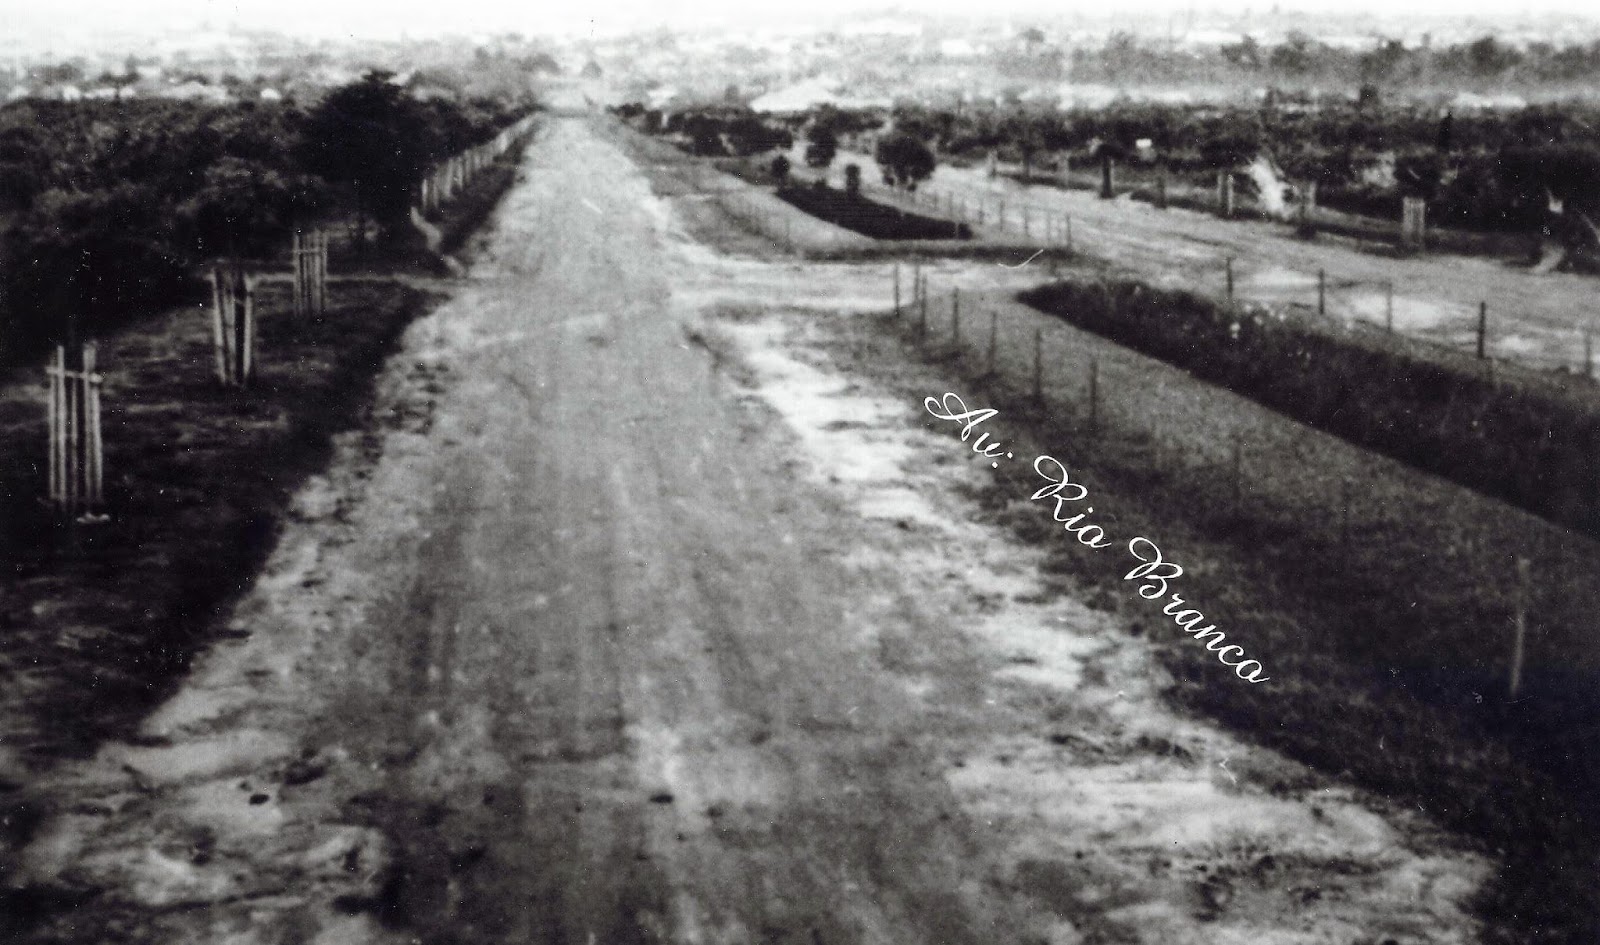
1346	300
448	177
1227	457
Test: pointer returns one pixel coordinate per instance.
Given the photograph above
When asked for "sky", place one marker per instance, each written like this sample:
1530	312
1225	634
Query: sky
387	18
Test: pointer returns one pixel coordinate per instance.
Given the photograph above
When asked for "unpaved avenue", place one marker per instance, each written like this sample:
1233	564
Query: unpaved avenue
568	653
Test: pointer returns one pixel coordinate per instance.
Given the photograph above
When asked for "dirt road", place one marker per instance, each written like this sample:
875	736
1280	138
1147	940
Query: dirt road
635	621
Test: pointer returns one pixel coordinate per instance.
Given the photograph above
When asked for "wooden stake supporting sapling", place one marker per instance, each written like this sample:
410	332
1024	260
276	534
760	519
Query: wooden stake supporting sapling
77	456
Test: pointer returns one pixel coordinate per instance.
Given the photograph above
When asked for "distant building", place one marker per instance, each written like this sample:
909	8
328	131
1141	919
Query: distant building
195	92
804	96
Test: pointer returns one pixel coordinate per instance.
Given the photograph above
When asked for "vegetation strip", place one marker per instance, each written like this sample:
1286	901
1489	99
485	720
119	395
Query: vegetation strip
1530	448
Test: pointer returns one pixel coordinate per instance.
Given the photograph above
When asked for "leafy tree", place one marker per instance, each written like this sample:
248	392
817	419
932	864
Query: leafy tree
372	138
1488	56
750	135
780	169
88	256
1230	148
244	208
823	146
1294	55
852	179
904	160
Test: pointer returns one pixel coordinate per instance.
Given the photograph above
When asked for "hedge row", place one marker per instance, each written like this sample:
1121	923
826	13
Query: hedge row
1531	449
857	213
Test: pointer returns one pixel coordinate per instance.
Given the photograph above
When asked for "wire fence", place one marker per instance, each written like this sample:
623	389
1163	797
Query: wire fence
1336	300
1255	467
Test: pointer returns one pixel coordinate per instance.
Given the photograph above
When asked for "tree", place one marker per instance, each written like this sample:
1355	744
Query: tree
244	208
823	146
780	170
904	160
1294	56
372	138
852	179
1245	54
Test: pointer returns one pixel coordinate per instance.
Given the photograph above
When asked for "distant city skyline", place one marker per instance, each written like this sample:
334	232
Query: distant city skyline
73	21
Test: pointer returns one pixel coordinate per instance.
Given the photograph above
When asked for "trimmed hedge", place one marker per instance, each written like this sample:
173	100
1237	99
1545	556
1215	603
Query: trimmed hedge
857	213
1532	449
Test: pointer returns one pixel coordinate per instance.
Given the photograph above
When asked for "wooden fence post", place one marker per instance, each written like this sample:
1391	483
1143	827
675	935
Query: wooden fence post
1094	395
1227	268
1238	472
897	290
955	317
922	309
1322	291
1519	622
1483	329
1038	364
994	337
1413	222
1346	497
1388	306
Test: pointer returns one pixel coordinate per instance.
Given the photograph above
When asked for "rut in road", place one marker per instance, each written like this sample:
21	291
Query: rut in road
568	653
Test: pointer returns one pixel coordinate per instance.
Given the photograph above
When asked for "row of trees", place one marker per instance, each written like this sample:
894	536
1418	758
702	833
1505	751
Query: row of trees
904	159
1302	59
108	206
1490	170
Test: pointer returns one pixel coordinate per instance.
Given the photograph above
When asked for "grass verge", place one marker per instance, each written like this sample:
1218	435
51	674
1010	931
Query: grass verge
1385	641
97	622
